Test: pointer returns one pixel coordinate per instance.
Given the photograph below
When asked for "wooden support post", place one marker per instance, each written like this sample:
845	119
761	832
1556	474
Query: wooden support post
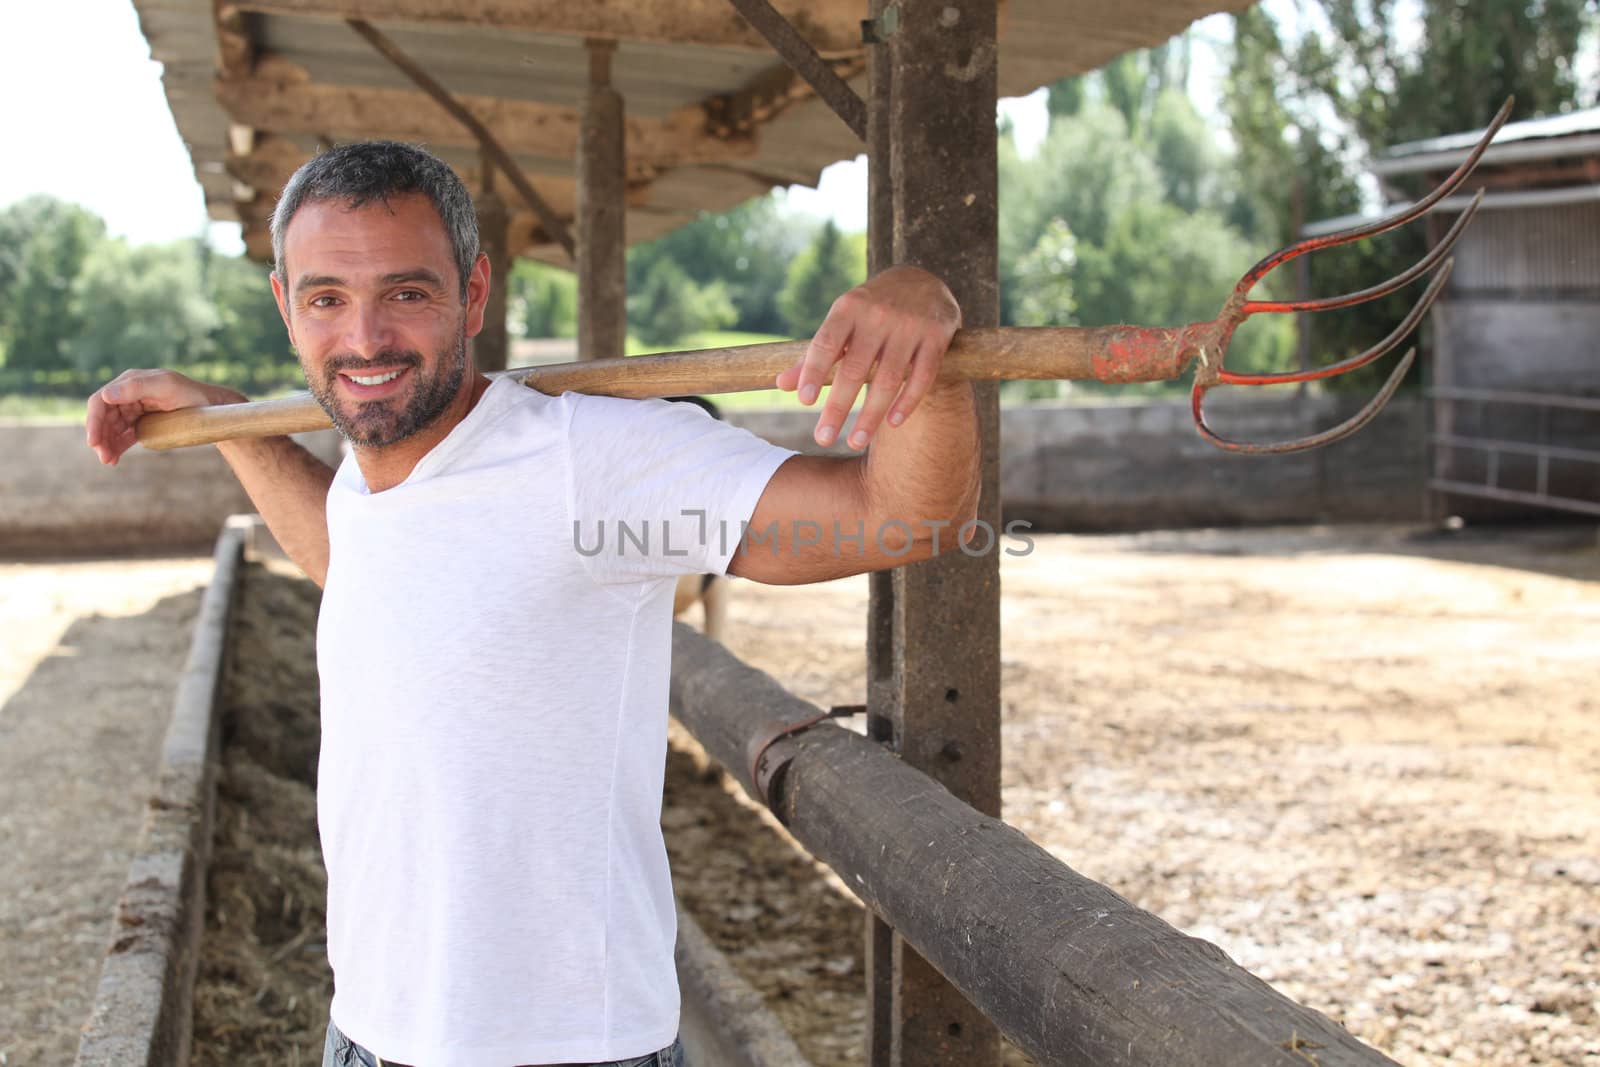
492	347
602	243
878	954
934	679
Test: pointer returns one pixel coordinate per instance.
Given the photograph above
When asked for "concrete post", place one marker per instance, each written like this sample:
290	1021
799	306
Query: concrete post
602	245
881	699
934	635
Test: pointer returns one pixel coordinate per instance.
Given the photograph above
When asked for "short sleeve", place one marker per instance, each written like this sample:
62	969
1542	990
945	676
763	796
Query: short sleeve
658	489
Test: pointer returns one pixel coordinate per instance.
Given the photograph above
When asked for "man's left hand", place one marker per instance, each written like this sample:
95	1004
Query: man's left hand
893	330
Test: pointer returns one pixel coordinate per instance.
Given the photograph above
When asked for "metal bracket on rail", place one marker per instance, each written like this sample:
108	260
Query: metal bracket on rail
771	750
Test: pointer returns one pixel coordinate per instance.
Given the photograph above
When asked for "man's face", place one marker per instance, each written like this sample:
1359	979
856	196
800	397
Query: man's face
374	309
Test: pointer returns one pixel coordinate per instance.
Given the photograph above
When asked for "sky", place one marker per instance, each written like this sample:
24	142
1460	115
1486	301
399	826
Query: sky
87	121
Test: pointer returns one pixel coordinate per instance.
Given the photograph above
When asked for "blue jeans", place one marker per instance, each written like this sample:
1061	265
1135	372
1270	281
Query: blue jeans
340	1051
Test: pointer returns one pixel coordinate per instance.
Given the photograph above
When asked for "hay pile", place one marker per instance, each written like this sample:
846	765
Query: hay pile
261	996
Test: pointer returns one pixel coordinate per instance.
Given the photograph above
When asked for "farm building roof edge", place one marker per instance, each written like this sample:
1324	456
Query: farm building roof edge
258	86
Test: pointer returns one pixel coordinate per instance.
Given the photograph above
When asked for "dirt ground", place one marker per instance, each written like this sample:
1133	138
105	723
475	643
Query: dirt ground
89	661
1363	761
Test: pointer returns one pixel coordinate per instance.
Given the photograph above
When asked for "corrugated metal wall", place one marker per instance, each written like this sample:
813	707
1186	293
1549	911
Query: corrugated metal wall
1545	251
1522	314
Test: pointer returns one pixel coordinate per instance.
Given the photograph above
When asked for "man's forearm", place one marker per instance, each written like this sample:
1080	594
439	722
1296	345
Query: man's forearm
927	470
289	487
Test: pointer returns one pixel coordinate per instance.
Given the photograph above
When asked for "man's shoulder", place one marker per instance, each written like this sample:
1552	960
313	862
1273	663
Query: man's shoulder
630	413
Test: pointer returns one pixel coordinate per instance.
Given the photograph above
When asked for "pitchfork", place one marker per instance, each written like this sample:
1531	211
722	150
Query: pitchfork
1112	354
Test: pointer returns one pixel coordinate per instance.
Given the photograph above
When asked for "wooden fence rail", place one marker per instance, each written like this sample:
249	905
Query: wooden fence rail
1069	970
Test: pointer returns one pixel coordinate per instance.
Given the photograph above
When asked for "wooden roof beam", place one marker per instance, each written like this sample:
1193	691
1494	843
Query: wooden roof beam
487	143
273	159
270	163
805	61
833	27
525	237
236	45
279	96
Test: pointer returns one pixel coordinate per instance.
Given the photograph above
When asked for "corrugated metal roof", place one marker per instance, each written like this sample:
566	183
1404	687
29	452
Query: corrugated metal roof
1550	137
283	76
1573	122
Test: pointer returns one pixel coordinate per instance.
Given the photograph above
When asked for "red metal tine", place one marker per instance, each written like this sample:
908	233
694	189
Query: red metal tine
1399	281
1239	308
1383	225
1356	362
1316	440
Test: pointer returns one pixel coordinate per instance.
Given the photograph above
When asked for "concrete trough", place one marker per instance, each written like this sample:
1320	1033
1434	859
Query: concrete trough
142	1014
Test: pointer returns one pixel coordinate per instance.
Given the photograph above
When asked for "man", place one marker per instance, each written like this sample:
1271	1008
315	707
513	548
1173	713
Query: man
493	673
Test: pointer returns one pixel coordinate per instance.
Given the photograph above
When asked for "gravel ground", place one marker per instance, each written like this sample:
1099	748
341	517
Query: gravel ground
89	660
1364	762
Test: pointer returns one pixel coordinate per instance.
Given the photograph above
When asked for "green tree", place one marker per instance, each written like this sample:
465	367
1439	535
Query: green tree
1045	295
43	245
1065	98
249	331
140	306
747	248
670	306
1126	85
833	263
1088	170
1111	224
543	300
1470	56
1305	111
1184	151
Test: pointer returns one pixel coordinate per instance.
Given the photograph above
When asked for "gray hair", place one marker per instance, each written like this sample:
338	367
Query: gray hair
373	171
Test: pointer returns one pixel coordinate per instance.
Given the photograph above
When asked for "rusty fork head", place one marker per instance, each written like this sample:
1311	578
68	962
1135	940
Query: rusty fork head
1208	341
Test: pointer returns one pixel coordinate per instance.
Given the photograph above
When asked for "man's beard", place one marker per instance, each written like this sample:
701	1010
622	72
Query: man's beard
377	423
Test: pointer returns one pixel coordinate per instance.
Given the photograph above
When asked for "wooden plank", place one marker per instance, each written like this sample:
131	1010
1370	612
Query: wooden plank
274	158
236	46
832	26
279	97
764	98
1069	970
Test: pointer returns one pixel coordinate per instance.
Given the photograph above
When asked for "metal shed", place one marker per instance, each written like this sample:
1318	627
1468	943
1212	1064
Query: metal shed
1515	382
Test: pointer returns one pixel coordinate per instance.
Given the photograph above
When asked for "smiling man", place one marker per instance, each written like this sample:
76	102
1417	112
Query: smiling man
494	688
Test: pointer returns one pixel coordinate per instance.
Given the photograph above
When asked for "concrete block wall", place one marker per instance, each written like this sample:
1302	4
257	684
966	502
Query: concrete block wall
56	498
1142	465
1083	467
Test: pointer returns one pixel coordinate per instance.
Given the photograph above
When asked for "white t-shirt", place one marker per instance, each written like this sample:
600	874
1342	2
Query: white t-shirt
494	696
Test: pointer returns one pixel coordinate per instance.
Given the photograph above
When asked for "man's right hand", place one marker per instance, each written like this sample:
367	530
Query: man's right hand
115	409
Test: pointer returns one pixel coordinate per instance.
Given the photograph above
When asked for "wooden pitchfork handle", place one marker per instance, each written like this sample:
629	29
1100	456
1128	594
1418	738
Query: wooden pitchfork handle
1112	354
1065	352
